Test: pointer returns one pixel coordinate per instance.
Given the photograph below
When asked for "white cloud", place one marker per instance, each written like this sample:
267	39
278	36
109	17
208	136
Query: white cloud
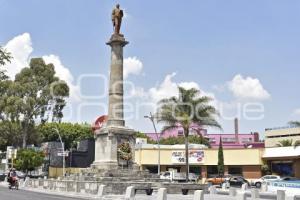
132	65
189	85
297	111
20	48
64	74
138	92
61	71
169	88
247	88
166	89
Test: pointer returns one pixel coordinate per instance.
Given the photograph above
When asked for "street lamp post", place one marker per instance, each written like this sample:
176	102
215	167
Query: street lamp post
151	117
63	150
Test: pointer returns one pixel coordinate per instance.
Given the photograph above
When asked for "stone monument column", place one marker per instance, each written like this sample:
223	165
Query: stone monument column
114	133
115	110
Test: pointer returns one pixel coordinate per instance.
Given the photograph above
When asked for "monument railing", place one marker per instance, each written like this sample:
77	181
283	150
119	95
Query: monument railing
97	189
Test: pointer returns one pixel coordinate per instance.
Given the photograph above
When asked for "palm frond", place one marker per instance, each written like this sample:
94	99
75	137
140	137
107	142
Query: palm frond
188	109
297	143
285	143
169	127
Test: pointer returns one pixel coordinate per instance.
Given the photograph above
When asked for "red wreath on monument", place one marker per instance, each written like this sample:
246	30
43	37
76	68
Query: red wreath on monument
100	121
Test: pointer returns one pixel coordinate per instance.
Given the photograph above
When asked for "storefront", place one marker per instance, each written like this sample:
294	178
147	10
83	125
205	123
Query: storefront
283	161
203	161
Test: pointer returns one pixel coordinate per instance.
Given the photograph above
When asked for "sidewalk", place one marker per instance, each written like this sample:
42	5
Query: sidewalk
114	197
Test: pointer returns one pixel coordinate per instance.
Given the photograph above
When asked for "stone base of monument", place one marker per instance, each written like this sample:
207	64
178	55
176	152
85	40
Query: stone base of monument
108	165
108	141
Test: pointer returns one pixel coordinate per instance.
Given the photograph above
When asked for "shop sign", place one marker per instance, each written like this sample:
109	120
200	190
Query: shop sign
195	157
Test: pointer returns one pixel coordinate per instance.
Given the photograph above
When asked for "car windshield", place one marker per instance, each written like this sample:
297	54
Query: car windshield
20	173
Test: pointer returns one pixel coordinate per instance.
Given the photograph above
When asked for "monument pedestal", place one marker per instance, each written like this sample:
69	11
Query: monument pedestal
106	148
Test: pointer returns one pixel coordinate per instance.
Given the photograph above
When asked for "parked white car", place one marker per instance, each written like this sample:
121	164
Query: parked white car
178	177
258	182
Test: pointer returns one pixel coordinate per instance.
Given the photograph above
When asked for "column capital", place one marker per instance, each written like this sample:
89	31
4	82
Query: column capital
117	39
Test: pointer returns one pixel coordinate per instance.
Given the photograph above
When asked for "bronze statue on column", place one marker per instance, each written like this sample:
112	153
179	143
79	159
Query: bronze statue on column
117	15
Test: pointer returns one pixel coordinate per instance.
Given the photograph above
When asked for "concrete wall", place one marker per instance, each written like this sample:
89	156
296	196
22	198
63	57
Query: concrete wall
57	172
252	172
282	134
297	168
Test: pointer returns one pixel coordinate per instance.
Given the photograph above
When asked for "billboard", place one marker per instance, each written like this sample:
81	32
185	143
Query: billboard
195	157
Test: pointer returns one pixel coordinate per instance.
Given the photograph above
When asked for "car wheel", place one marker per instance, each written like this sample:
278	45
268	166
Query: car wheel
185	191
258	185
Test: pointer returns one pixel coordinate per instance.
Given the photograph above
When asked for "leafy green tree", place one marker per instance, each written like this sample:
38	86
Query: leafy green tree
295	123
29	159
265	169
193	139
70	133
143	135
187	110
35	95
4	56
221	159
10	134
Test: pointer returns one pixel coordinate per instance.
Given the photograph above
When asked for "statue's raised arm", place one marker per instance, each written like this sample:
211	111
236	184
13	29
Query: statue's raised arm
116	16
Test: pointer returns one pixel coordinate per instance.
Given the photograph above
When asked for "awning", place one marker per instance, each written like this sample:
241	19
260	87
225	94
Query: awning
282	152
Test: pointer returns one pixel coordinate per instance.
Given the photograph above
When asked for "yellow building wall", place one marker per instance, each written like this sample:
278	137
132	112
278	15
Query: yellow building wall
234	156
57	172
150	156
231	156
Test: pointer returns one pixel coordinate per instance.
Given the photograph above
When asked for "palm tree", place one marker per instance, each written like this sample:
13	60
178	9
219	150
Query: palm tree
297	143
295	124
285	143
190	111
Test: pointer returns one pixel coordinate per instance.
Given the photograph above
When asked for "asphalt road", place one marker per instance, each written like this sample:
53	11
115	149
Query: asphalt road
6	194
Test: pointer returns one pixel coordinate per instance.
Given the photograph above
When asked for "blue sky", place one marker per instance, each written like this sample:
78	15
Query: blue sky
236	51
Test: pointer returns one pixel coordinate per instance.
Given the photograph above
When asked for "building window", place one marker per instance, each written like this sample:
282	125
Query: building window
235	170
180	132
152	169
212	171
228	140
196	170
212	140
247	140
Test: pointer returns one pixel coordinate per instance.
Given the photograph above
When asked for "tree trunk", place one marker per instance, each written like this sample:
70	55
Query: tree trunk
25	133
187	155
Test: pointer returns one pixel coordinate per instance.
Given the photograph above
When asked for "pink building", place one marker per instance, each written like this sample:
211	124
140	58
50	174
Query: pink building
230	140
235	141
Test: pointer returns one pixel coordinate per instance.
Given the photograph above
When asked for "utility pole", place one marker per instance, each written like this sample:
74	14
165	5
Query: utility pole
152	118
63	150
